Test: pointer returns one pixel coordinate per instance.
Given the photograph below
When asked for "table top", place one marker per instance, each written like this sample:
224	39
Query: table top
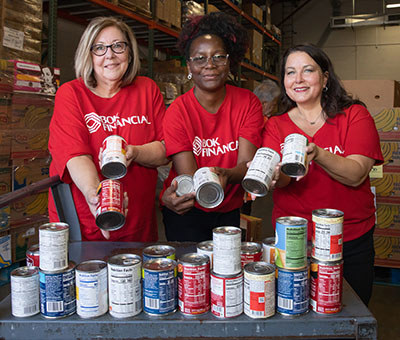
354	321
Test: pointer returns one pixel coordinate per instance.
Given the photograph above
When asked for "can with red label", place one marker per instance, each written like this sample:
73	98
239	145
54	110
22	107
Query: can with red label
33	256
326	286
268	245
259	289
194	283
226	295
327	234
113	160
250	252
110	209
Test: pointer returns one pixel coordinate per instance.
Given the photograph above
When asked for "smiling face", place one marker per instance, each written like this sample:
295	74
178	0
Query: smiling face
304	80
110	67
209	77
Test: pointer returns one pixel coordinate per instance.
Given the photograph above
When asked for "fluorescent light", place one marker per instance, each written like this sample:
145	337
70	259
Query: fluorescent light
393	5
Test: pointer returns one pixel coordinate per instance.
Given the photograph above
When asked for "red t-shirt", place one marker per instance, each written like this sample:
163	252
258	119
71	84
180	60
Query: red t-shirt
347	134
214	138
80	123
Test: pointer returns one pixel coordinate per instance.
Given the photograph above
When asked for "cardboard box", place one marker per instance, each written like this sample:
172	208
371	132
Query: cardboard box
175	13
387	121
5	187
253	11
5	111
256	47
387	247
22	238
391	155
6	75
388	217
5	249
5	274
140	6
251	228
26	143
388	185
161	10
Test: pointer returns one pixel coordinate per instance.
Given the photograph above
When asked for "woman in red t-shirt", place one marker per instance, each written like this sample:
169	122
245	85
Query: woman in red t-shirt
343	147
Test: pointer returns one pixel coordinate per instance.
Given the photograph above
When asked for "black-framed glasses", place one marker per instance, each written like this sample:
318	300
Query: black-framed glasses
117	47
217	60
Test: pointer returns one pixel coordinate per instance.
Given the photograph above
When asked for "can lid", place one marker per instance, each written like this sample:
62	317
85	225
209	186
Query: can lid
159	264
159	250
227	230
194	259
54	226
91	266
114	170
330	213
269	240
291	220
205	245
110	220
254	187
25	271
185	185
124	260
259	268
210	195
293	169
250	247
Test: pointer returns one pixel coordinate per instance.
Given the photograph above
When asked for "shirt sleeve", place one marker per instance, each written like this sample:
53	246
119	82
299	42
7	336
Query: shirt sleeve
271	135
251	128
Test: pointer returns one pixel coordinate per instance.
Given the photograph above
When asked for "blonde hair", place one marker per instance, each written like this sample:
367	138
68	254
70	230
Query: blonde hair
83	57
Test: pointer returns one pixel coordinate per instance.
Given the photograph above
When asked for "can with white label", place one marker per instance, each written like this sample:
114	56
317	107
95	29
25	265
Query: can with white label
158	251
206	248
294	155
261	172
113	160
226	250
250	252
269	249
209	192
185	185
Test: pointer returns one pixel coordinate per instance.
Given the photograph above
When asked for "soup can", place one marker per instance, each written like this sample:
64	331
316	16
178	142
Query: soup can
194	283
110	208
206	248
25	291
57	292
268	245
209	192
158	251
124	285
327	234
291	242
250	252
53	245
294	155
33	256
91	289
113	160
258	178
259	290
226	250
185	185
159	287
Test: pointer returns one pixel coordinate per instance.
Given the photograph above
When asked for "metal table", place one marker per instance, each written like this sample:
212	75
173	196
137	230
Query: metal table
355	321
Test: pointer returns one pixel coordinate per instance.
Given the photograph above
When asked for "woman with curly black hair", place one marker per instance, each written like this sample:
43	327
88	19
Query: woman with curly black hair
213	125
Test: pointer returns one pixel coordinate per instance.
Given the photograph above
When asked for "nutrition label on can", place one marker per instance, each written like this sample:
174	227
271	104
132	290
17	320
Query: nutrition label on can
294	149
227	296
53	250
328	241
25	295
296	253
259	295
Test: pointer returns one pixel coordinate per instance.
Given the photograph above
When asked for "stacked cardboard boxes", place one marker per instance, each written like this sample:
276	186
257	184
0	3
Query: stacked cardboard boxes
169	12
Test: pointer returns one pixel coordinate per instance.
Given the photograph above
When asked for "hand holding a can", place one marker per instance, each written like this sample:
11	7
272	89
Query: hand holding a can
178	204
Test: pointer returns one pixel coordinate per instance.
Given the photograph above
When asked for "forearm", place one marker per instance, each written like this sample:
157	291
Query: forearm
150	155
83	173
235	175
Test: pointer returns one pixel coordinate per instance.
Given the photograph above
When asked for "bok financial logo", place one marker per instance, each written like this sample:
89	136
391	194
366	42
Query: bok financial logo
212	147
94	121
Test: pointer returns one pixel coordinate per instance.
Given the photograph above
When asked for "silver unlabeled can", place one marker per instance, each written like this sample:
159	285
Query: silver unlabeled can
209	192
226	250
124	285
53	245
294	155
91	289
185	185
261	172
25	291
268	245
113	160
206	248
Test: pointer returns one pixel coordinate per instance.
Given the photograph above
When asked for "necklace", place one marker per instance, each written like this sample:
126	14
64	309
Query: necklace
315	120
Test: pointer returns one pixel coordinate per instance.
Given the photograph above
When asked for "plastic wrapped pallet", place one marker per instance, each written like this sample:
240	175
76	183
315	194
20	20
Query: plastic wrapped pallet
190	8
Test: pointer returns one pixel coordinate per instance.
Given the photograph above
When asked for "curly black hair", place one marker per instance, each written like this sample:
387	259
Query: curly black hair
225	26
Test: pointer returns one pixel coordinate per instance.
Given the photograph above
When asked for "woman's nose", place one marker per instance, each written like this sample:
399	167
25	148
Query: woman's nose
299	77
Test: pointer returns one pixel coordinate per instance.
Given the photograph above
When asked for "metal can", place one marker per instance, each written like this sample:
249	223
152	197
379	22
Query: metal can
91	289
261	172
250	252
268	245
124	285
33	256
292	291
226	250
206	248
326	286
53	245
185	185
209	192
226	295
259	290
25	291
158	251
113	160
110	209
57	292
194	283
294	155
327	234
159	286
291	242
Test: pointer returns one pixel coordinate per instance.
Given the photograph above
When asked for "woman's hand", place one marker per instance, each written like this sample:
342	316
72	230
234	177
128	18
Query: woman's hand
223	175
178	204
132	152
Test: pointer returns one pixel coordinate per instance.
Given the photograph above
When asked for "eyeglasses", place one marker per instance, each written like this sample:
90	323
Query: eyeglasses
217	60
117	47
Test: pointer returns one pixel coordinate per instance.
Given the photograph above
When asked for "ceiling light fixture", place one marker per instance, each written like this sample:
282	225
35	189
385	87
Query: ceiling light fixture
393	5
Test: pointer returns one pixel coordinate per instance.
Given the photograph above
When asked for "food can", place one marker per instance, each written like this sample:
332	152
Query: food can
209	192
327	234
292	291
268	245
226	250
57	292
194	283
291	242
33	256
113	160
91	289
124	285
250	252
25	291
226	295
206	248
326	286
185	185
259	290
158	251
53	245
258	178
159	287
110	208
294	155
